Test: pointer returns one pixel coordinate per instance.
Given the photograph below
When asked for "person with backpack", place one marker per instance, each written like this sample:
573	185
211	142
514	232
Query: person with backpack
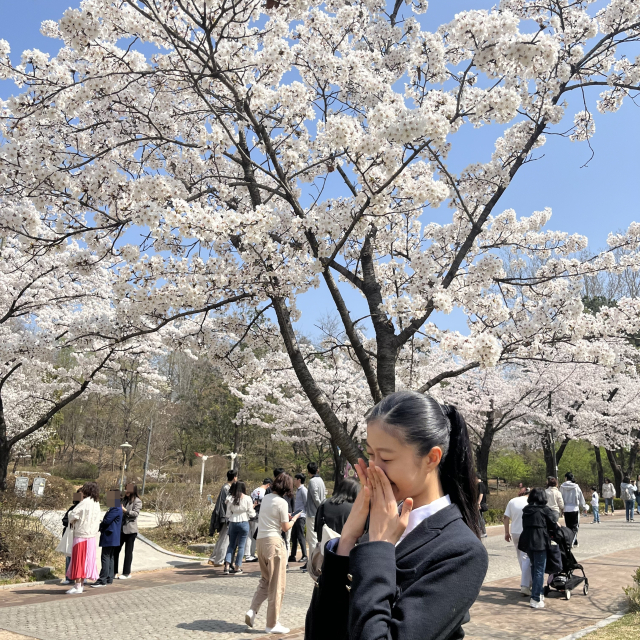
574	503
537	522
628	494
219	523
256	495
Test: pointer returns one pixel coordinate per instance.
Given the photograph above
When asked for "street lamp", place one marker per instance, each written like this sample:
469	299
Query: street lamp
204	459
125	447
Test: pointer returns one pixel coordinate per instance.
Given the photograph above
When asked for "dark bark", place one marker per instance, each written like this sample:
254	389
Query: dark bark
387	352
596	450
633	457
335	428
339	466
616	468
484	448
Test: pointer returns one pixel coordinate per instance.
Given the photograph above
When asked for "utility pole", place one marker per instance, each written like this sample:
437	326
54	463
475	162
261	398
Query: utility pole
204	459
146	462
553	437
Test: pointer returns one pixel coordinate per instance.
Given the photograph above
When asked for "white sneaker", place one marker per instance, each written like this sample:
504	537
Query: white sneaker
66	581
536	605
77	589
124	577
277	629
525	591
250	618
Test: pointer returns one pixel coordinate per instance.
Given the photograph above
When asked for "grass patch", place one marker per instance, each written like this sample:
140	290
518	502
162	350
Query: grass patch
171	540
627	628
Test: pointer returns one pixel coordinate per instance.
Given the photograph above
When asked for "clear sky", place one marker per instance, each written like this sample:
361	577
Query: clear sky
592	200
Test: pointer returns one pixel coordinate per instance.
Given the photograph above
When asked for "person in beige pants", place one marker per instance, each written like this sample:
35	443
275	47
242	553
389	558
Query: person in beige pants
272	554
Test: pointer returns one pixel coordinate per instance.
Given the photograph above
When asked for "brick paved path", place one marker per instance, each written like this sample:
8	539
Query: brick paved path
198	602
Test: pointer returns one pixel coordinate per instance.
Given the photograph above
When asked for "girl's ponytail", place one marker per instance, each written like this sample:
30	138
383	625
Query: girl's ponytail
457	471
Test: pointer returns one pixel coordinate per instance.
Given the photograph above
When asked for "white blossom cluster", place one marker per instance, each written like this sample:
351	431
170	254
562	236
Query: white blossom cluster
263	152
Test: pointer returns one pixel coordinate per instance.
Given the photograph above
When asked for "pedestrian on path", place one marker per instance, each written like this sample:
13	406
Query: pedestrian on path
219	523
256	495
300	506
537	521
110	530
512	531
335	511
637	481
574	503
554	497
272	554
131	506
316	494
595	505
239	510
608	493
85	521
77	497
421	568
628	494
482	505
290	500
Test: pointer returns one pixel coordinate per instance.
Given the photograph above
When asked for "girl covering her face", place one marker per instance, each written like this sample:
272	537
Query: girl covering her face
416	572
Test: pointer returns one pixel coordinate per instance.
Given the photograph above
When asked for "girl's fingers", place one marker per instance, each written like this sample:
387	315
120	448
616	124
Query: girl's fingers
406	511
385	486
362	473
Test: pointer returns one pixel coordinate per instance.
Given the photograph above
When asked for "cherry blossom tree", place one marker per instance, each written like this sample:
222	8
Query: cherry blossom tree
58	338
263	152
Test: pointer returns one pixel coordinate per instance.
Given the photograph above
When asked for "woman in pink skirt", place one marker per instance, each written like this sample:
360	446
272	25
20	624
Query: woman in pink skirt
85	521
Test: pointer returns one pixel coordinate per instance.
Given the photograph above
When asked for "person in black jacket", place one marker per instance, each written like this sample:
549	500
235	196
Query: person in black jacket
537	521
335	511
416	572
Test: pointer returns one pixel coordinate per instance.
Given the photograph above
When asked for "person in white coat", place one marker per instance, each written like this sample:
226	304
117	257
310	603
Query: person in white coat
84	519
608	494
574	503
512	531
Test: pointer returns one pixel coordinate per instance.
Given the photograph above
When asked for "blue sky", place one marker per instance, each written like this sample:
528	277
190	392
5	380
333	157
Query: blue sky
592	200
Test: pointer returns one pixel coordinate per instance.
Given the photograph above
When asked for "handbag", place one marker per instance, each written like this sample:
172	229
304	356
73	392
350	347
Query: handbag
314	566
66	543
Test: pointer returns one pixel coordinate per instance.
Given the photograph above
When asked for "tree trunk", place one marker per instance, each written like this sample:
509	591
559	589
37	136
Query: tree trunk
600	469
339	465
547	450
484	448
633	457
617	470
5	454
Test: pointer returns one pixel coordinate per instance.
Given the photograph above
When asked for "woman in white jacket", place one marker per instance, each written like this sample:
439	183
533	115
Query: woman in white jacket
608	493
85	522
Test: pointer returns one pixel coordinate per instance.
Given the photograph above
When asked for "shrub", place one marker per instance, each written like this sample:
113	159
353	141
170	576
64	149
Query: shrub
79	471
633	592
23	536
493	516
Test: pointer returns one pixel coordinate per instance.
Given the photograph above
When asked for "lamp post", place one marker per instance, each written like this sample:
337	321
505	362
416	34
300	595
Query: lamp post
204	459
146	461
125	447
233	455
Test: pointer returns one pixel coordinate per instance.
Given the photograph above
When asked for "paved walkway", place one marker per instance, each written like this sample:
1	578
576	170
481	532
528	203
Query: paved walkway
198	602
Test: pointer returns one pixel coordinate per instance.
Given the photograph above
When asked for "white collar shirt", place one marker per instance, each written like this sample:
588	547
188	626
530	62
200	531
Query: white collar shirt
422	513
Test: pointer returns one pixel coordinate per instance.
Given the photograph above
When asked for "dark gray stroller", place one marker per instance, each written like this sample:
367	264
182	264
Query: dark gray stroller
562	565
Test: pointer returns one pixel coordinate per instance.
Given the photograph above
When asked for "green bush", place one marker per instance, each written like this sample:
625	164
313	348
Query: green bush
493	516
633	592
79	472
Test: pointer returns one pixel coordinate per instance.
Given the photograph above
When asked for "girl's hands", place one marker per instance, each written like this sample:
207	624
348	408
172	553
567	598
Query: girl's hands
354	526
385	524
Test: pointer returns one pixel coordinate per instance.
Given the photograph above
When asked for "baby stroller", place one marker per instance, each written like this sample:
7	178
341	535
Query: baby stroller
561	565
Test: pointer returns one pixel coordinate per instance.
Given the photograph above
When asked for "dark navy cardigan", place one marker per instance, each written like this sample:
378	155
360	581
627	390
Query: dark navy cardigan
420	590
